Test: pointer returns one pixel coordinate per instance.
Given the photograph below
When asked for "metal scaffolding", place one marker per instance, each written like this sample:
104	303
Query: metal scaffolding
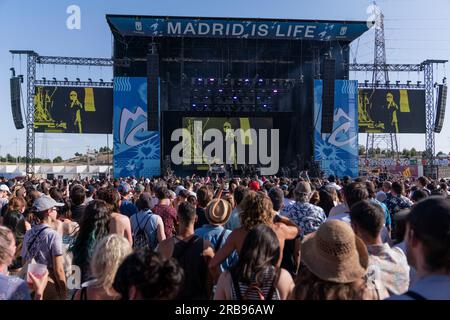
33	59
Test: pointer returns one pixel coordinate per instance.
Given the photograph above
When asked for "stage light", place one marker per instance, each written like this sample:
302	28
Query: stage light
408	82
89	79
220	90
234	98
54	79
44	79
275	91
78	80
397	83
366	83
66	80
377	83
444	80
387	83
418	83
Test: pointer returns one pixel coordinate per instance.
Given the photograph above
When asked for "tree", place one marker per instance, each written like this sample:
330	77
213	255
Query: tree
413	152
440	153
10	158
58	159
77	154
406	153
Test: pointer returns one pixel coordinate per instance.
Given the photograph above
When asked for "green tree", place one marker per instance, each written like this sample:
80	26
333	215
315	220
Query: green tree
440	153
58	159
413	152
361	150
10	158
77	154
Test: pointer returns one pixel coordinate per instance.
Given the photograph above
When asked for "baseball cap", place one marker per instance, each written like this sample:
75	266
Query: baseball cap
124	188
44	203
178	189
139	188
254	185
4	187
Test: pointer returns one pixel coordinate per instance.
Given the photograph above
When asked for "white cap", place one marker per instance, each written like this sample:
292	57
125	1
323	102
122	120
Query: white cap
4	187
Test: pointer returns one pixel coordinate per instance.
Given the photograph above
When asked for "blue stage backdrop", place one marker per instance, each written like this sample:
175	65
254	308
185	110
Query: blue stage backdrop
136	150
338	151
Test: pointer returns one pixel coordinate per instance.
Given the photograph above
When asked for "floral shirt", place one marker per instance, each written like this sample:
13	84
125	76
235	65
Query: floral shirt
305	215
395	204
389	267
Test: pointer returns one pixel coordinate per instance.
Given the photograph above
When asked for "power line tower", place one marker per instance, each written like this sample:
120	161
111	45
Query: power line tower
380	76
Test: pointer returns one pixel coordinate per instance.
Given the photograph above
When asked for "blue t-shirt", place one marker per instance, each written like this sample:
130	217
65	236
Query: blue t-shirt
128	208
212	234
13	288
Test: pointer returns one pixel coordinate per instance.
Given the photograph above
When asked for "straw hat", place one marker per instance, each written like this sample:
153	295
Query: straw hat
218	211
334	253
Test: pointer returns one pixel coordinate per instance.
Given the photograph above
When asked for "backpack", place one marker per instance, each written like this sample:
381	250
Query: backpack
140	237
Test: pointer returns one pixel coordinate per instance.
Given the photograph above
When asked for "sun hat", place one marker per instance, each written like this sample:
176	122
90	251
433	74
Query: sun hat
218	211
303	187
334	253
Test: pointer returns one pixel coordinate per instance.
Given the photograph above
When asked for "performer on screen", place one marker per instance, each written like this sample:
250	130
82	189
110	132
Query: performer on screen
230	138
75	109
391	108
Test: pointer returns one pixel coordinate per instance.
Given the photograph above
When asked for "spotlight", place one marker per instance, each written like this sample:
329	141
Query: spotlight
418	83
44	79
89	79
78	80
366	83
66	80
397	83
387	83
101	80
408	83
377	83
54	79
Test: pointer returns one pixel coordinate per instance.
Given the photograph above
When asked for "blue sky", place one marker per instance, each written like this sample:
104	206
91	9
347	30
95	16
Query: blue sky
415	30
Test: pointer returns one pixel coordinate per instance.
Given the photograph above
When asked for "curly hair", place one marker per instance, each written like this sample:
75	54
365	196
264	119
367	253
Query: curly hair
154	277
108	254
256	209
5	243
16	204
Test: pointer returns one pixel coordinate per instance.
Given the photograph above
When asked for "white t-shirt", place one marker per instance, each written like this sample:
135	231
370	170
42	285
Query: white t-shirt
341	216
339	209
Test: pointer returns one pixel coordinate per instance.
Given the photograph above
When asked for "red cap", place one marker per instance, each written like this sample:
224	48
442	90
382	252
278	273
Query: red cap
254	185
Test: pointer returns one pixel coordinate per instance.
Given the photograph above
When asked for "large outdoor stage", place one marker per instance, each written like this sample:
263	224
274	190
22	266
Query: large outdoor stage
222	74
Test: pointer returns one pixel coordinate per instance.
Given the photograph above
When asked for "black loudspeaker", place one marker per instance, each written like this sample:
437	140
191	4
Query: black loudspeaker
15	102
440	111
329	75
153	90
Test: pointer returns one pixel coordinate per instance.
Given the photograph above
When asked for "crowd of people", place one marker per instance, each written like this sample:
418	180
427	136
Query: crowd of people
253	238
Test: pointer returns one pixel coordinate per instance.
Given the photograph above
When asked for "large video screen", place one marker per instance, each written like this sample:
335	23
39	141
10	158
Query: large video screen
228	129
391	111
73	109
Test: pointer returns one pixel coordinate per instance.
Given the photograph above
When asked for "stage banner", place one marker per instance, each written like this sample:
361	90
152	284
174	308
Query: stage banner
136	150
236	28
338	152
391	111
73	109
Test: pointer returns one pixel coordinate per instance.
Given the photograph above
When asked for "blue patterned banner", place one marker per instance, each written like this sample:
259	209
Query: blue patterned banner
136	150
236	28
338	151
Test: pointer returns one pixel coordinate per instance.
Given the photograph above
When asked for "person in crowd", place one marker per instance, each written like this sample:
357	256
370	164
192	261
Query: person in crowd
204	196
4	199
256	209
93	227
422	183
305	215
353	193
427	239
127	206
336	263
91	192
234	222
326	200
147	227
147	275
11	287
384	192
77	197
332	183
192	253
276	195
138	190
418	195
386	264
108	254
396	201
15	221
43	245
372	197
217	214
256	276
119	223
314	198
166	211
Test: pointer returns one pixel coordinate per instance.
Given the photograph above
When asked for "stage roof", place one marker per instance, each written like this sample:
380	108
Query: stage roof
235	28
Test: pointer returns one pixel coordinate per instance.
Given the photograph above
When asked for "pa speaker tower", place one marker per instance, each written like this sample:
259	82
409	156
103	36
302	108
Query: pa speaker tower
440	111
15	101
152	88
329	75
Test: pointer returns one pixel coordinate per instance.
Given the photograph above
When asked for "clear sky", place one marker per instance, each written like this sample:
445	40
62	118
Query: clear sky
415	30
